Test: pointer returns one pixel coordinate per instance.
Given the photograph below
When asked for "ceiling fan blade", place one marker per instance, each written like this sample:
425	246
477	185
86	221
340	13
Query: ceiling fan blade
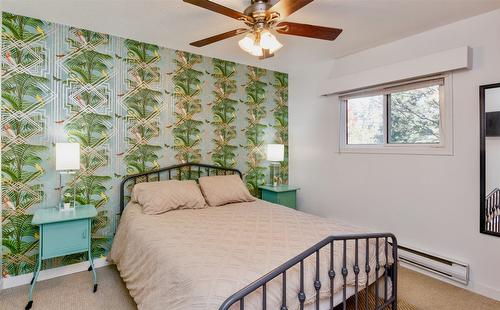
310	31
212	6
218	37
288	7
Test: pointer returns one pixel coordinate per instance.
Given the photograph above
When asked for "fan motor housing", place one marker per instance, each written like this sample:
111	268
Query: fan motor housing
258	9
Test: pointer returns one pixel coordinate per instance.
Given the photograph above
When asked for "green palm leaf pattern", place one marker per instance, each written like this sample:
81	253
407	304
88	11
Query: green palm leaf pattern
255	90
187	89
224	113
20	242
131	109
143	102
281	118
21	29
87	68
22	94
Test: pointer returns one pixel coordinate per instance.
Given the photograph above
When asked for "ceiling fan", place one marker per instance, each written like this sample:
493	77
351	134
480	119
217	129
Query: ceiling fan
261	18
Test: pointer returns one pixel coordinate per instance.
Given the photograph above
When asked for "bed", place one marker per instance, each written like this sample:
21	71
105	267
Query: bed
250	255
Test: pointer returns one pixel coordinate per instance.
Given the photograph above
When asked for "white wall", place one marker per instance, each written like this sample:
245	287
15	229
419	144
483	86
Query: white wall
429	202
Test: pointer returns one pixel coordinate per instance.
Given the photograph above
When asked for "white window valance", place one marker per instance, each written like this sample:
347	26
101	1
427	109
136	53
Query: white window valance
430	65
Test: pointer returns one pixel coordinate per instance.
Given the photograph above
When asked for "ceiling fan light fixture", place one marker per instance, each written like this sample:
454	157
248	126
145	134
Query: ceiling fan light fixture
269	42
250	45
256	51
247	43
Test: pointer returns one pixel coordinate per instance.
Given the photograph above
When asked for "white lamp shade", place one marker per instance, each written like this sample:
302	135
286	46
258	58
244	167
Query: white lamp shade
67	156
275	152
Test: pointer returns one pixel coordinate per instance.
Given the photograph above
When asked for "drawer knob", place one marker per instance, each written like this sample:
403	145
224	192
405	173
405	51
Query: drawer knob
84	234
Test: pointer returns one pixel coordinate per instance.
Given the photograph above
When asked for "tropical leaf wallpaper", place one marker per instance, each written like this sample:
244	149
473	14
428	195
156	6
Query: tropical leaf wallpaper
224	108
133	107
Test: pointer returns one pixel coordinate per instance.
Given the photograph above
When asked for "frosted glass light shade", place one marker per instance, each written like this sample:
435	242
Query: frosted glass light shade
275	152
67	156
256	51
250	45
247	43
268	41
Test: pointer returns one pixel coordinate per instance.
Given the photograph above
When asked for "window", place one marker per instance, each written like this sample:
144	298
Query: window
412	117
365	120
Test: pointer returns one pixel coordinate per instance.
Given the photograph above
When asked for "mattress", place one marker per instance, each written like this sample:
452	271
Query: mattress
195	259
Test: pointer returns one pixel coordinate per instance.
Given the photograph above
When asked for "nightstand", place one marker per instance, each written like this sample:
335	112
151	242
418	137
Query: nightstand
282	194
63	233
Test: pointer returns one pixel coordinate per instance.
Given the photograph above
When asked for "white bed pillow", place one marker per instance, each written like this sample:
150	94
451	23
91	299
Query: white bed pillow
224	189
163	196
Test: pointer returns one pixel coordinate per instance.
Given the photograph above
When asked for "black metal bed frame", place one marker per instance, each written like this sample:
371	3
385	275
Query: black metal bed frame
195	170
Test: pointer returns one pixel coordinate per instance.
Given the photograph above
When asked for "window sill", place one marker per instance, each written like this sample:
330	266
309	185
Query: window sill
398	150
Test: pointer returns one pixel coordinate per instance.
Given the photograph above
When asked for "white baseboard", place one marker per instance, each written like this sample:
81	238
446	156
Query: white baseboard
488	291
478	288
52	273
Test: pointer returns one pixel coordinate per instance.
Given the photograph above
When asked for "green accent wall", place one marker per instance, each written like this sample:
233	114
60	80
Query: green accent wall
133	107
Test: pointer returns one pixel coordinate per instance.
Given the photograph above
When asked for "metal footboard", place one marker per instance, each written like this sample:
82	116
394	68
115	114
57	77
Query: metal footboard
381	302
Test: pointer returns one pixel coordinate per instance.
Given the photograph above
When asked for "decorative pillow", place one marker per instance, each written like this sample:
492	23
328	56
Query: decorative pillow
224	189
163	196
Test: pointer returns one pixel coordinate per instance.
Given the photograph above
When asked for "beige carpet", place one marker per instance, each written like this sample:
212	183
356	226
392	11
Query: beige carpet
427	293
351	303
74	292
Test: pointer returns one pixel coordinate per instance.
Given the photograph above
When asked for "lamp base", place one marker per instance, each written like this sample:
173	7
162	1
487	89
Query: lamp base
62	205
67	208
274	174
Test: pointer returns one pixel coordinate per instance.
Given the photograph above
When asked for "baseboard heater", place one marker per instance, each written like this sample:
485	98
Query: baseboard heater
445	267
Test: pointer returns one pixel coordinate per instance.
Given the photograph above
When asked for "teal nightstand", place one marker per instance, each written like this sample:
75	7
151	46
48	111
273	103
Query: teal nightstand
63	233
283	194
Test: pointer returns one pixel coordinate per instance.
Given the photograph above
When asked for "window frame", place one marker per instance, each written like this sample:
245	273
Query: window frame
445	145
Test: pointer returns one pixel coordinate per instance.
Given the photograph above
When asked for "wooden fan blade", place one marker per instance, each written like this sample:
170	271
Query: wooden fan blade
214	7
218	37
310	31
287	7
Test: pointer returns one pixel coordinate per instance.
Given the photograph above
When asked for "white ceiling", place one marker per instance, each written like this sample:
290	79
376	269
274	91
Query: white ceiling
173	23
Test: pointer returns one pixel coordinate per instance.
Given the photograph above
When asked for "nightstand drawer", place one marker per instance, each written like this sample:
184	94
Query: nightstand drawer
63	238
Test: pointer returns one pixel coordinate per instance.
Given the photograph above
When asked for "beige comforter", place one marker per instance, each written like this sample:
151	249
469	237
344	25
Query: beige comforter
195	259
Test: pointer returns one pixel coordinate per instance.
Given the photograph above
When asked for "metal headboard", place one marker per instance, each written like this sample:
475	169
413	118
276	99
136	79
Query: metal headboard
187	171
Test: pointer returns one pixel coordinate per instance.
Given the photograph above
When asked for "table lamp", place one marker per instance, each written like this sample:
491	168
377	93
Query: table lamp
275	153
67	162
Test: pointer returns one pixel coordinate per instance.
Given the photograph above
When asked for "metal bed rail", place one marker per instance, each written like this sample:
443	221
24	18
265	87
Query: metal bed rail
492	211
390	272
